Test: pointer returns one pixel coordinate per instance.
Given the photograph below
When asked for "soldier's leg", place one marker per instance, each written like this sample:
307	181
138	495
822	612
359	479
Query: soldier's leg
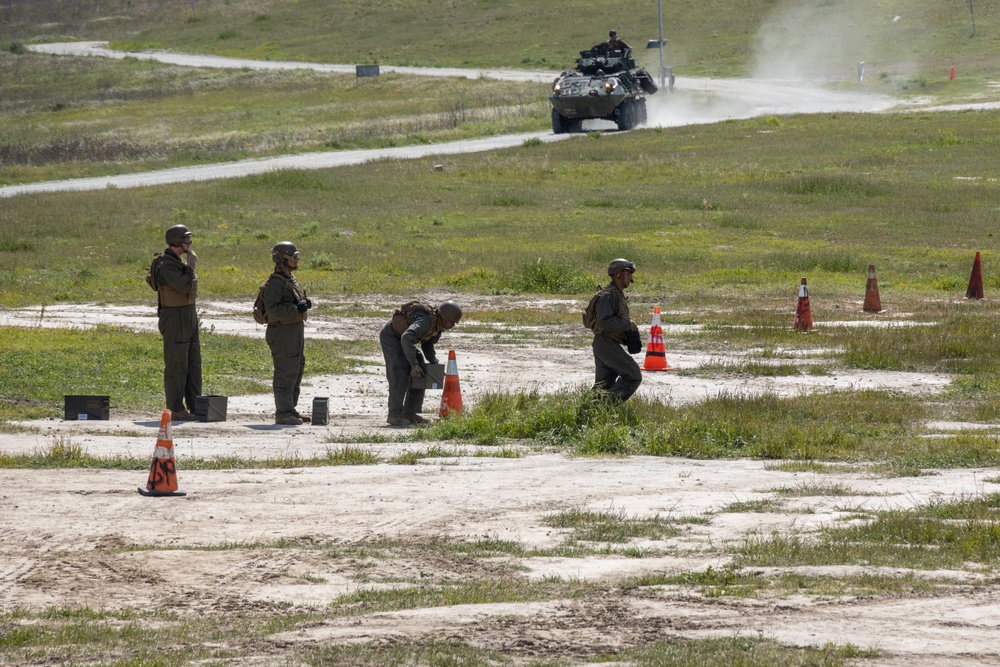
286	353
296	389
192	386
413	404
176	344
629	375
604	374
397	370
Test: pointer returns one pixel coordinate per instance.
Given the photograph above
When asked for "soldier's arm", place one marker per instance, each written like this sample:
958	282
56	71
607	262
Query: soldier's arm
279	311
176	276
428	348
421	323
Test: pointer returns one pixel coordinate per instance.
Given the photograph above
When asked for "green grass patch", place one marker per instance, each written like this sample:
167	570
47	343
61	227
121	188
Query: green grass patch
589	526
936	535
850	426
44	365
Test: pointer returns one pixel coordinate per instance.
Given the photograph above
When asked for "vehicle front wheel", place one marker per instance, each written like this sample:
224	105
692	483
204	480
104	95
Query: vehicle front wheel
558	123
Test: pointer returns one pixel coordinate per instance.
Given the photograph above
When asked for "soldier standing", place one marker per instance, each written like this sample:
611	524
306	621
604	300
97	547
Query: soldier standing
176	286
414	323
617	373
286	305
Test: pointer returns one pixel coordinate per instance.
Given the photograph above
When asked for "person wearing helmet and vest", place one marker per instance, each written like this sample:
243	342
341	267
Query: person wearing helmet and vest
615	44
287	309
176	287
412	324
617	374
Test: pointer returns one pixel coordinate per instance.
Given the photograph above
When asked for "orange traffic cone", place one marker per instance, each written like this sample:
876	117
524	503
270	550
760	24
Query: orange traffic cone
873	304
163	472
656	354
803	315
951	72
975	289
451	398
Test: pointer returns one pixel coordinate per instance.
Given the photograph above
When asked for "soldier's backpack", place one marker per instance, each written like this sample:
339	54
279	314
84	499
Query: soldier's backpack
590	312
153	268
401	318
259	310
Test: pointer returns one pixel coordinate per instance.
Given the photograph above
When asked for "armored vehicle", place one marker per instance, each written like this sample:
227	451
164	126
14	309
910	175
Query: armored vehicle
605	85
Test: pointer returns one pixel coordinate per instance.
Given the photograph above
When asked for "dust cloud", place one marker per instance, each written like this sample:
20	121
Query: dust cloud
800	46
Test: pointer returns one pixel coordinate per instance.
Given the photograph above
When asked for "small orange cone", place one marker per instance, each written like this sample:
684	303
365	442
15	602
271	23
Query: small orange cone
975	289
803	315
951	72
451	398
656	354
873	304
163	472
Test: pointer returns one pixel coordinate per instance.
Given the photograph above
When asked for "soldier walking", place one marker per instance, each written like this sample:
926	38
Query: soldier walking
176	286
286	305
617	374
414	323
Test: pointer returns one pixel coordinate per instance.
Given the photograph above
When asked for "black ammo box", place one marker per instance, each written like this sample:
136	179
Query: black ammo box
210	408
433	378
321	411
87	407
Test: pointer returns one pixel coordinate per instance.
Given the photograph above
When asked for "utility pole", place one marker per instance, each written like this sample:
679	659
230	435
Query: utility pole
973	13
659	11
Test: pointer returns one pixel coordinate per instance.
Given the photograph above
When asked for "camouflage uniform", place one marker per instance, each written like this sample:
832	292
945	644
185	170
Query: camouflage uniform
399	339
616	372
177	291
285	335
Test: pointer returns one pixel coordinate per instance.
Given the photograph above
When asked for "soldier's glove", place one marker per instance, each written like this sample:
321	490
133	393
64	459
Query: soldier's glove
309	304
192	259
303	306
633	342
416	371
432	361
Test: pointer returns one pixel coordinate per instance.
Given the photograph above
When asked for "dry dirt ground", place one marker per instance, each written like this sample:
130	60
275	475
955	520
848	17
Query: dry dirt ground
64	529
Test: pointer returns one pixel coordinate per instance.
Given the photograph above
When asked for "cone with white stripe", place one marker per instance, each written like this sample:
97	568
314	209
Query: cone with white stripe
451	398
803	314
873	303
656	353
163	472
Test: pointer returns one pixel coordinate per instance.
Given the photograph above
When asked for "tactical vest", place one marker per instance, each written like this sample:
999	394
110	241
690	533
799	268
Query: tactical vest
621	310
168	296
292	293
401	320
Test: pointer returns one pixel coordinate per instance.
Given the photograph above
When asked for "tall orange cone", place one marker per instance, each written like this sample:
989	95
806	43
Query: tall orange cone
803	315
873	304
451	398
656	354
975	289
163	472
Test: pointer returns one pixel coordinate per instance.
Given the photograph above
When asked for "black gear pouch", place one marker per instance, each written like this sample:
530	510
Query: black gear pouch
633	343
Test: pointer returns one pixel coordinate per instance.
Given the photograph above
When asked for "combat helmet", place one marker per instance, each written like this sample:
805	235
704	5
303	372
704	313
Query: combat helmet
284	251
618	265
449	310
178	234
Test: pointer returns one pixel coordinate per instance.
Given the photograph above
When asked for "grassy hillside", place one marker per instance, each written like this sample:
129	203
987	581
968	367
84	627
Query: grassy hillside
710	37
711	213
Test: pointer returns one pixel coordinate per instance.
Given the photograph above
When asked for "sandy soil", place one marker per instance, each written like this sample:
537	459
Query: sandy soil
63	529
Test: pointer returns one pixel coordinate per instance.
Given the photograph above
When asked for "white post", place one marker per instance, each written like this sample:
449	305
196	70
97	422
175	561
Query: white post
659	11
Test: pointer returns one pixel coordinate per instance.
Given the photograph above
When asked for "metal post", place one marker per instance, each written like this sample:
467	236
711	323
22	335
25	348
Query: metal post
659	11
